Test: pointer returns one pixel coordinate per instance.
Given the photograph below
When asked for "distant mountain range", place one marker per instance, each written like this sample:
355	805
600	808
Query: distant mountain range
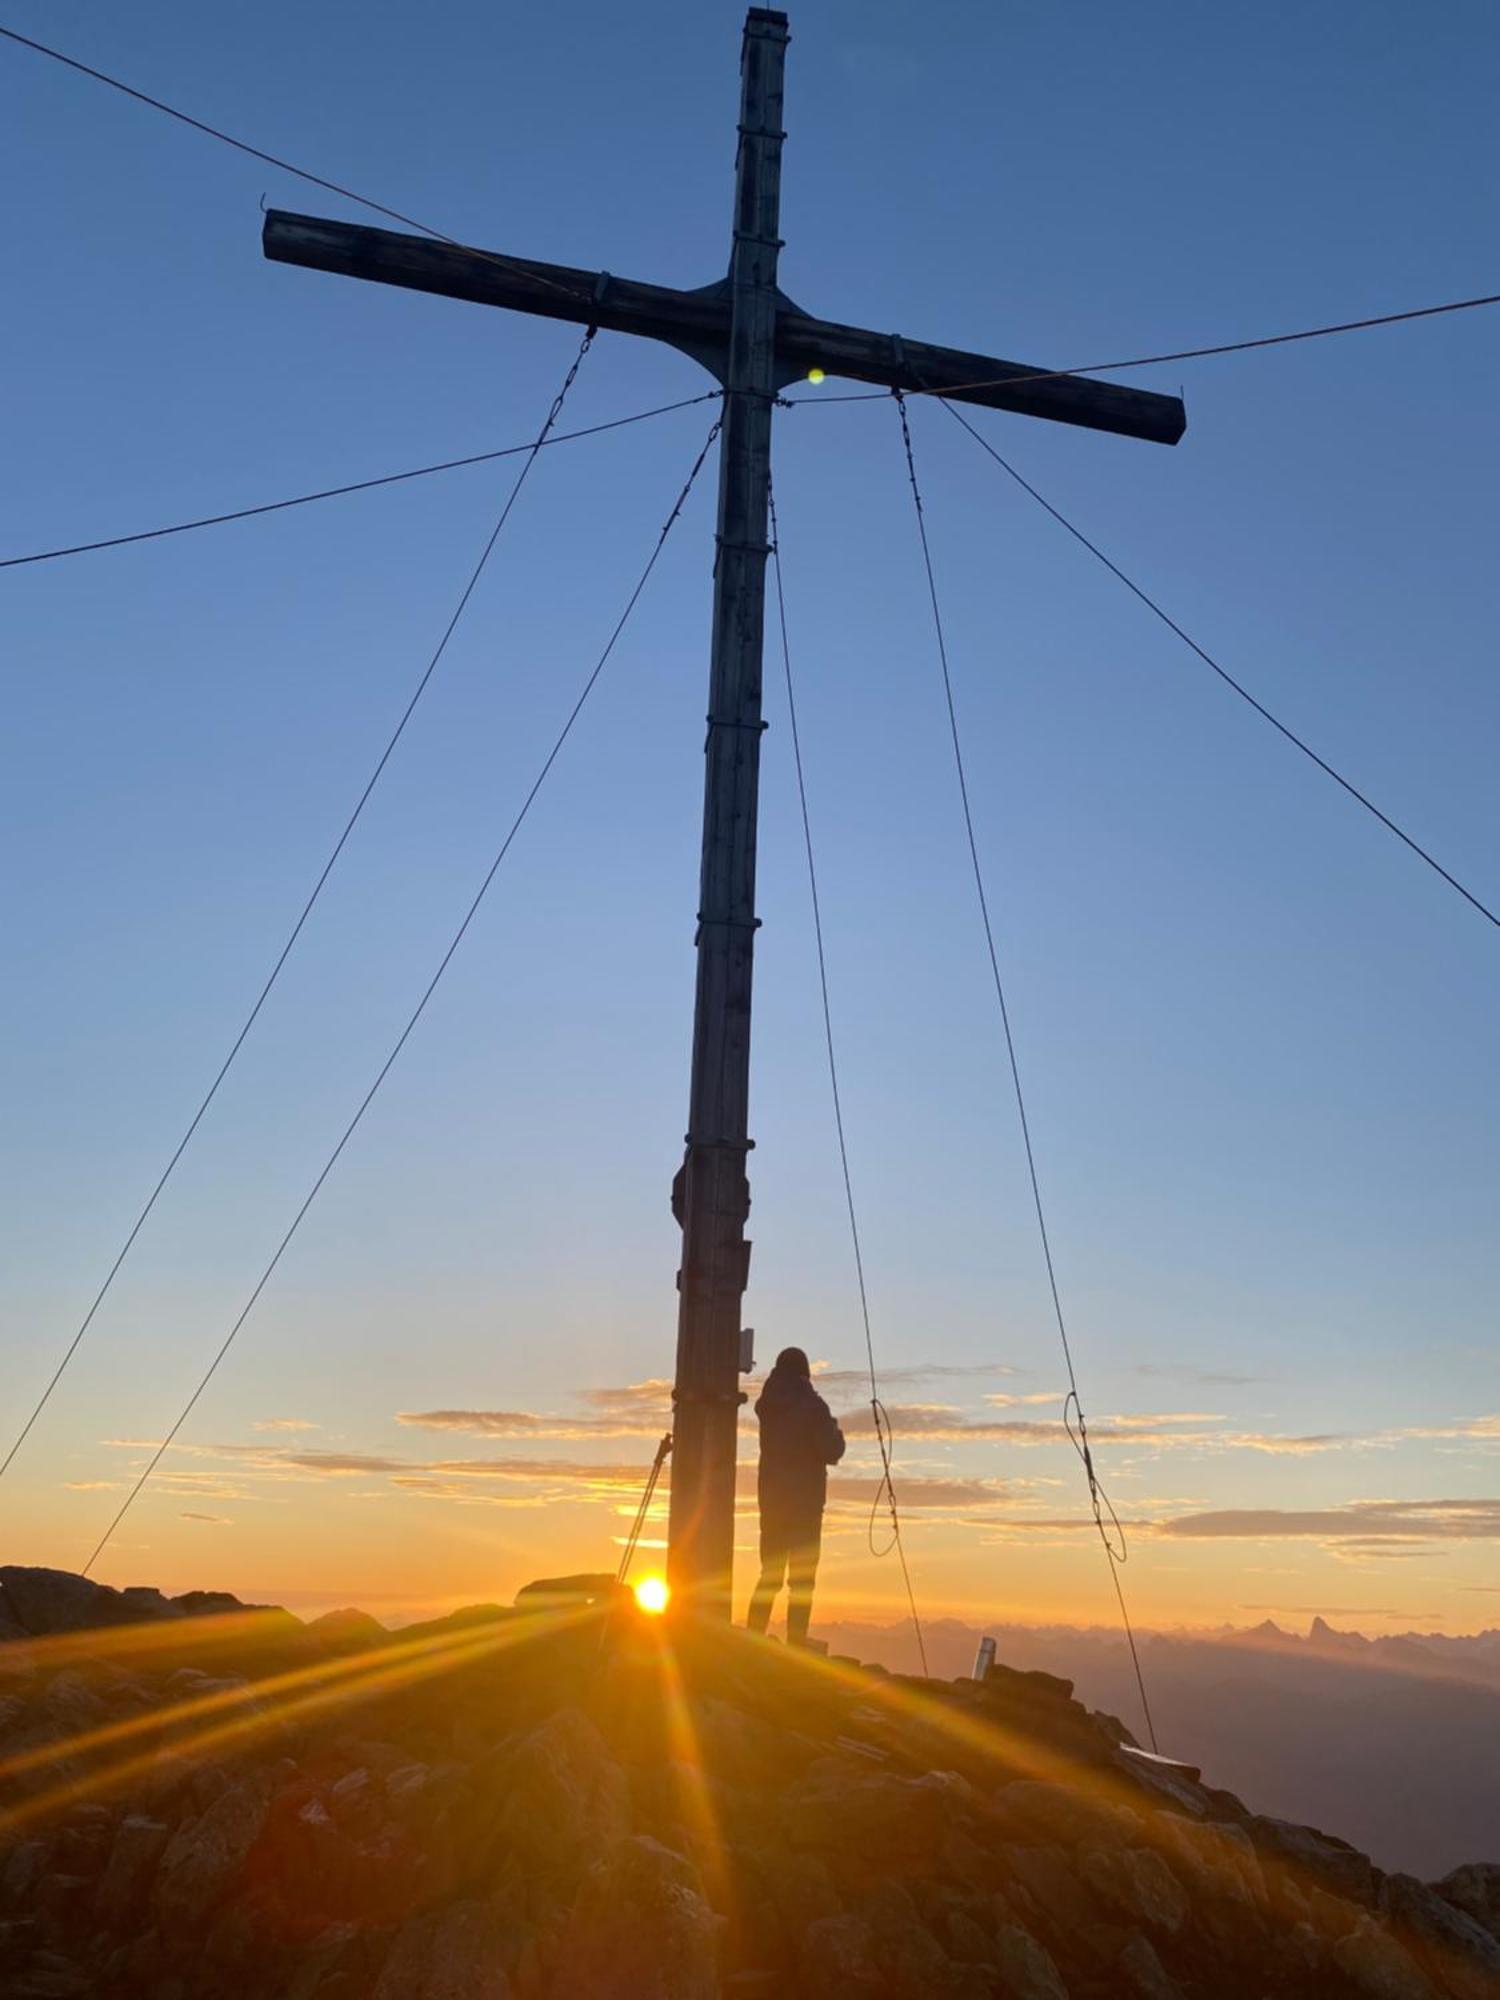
1395	1741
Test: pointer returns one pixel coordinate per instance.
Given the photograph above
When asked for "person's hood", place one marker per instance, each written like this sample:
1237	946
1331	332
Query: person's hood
785	1388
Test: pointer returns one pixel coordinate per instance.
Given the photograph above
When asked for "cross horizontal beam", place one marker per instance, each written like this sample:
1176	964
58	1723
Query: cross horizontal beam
698	323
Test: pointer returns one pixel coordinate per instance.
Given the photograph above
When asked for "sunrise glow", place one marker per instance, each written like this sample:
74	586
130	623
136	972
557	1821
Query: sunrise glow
653	1595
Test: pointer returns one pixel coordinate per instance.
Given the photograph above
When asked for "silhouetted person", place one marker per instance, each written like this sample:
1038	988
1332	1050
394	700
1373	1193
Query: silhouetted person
799	1440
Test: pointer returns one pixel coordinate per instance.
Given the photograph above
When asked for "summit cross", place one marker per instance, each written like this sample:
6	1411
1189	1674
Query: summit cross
754	341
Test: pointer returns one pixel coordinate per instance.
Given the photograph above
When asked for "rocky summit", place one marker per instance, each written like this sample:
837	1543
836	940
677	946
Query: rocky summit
566	1799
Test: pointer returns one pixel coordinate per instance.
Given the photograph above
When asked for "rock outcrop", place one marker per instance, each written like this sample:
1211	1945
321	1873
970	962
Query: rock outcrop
201	1801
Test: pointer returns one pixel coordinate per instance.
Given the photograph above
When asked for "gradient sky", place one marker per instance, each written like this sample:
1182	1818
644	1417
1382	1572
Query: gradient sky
1258	1037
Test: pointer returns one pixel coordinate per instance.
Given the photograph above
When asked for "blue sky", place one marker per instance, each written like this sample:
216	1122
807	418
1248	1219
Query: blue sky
1257	1035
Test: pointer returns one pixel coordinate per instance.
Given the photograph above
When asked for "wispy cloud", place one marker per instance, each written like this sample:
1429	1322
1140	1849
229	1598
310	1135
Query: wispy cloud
909	1375
643	1409
1208	1378
1479	1429
654	1394
337	1464
1162	1431
920	1490
1355	1524
285	1424
282	1460
210	1520
628	1421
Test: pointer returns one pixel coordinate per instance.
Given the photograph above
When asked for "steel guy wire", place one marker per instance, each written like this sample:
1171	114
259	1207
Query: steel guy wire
1114	1548
886	1490
355	486
1224	674
1028	375
307	908
271	159
421	1006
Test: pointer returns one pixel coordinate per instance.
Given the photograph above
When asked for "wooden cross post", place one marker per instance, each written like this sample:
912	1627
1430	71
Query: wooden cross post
751	337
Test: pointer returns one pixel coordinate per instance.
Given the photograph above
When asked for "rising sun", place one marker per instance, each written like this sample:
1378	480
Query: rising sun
653	1595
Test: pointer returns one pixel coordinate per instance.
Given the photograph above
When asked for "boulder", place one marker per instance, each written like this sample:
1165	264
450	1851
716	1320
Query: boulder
204	1858
568	1593
71	1705
910	1957
454	1954
148	1602
1138	1886
138	1846
881	1817
1475	1889
44	1601
563	1797
347	1631
1048	1894
1033	1810
1026	1970
1168	1785
1026	1684
52	1977
1216	1863
1332	1917
838	1955
216	1604
1317	1858
1141	1974
640	1929
21	1868
1378	1968
10	1623
1457	1953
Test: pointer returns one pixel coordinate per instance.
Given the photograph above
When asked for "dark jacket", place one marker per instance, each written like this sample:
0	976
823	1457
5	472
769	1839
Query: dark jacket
799	1440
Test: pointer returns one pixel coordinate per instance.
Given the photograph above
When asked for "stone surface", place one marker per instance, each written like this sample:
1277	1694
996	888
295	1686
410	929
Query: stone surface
204	1856
563	1796
43	1601
1475	1889
563	1809
1376	1966
1217	1864
1046	1812
1142	1975
457	1954
1026	1971
838	1955
640	1929
1137	1886
139	1844
879	1816
348	1632
1457	1953
1317	1857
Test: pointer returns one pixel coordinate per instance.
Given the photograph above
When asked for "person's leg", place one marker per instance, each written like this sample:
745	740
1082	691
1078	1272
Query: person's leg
773	1561
803	1570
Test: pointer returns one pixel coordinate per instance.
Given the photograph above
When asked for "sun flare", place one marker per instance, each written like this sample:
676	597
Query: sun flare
653	1595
